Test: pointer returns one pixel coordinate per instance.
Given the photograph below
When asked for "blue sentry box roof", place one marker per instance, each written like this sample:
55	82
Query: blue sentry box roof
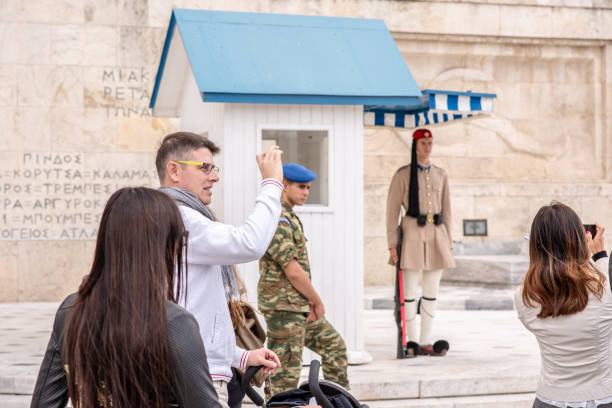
274	58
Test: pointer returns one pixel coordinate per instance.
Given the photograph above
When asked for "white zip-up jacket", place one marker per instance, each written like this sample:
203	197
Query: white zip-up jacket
210	245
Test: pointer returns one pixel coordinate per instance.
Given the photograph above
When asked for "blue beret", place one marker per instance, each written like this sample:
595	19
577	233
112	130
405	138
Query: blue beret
298	173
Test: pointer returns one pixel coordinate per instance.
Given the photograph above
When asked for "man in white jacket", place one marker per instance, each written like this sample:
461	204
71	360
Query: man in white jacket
187	172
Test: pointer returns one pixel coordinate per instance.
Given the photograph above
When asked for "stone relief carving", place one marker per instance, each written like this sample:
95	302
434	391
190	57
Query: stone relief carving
518	141
496	124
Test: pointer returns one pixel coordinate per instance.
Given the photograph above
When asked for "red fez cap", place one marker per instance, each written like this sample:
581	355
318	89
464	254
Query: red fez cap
421	134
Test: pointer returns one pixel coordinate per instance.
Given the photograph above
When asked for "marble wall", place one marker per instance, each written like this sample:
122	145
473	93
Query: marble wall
76	77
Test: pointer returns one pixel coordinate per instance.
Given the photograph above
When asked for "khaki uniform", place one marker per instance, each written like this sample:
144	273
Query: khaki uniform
285	311
428	247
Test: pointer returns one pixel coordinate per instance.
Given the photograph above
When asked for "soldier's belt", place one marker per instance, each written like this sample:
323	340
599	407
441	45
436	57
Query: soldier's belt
435	219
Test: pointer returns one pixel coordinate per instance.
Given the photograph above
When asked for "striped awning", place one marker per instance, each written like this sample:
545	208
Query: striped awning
436	107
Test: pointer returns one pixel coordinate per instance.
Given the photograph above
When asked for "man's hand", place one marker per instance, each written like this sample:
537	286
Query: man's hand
596	243
393	253
317	311
270	163
311	316
264	357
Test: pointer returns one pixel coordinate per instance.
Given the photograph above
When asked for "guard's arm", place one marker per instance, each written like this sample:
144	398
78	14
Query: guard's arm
400	238
446	209
397	190
299	279
282	250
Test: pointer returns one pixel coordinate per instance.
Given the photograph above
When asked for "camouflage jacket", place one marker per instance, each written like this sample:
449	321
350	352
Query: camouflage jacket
274	291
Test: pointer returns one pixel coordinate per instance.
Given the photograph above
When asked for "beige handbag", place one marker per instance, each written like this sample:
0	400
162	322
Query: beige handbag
249	335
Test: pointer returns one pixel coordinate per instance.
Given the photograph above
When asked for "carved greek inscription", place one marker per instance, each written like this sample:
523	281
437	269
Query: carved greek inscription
56	196
128	89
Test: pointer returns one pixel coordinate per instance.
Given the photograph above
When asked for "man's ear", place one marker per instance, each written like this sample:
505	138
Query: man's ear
285	184
173	172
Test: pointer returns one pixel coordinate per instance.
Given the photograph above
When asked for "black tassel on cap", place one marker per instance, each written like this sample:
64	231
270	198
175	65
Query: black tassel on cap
413	192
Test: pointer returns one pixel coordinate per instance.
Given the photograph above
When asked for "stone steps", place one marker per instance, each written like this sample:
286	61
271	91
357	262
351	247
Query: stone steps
501	271
17	381
390	387
500	401
479	282
15	401
451	297
393	387
520	400
484	401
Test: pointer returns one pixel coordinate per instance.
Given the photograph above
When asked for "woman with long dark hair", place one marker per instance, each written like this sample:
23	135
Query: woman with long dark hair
566	302
122	341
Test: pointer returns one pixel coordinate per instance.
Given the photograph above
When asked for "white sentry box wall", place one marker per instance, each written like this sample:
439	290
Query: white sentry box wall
334	233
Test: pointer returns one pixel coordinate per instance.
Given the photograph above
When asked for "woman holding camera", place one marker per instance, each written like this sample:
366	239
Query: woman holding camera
121	341
566	302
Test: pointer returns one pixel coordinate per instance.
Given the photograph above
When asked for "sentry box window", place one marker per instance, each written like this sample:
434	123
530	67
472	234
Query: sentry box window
475	228
308	148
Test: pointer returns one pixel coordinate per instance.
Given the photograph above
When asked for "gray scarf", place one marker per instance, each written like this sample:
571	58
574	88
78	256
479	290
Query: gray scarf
188	199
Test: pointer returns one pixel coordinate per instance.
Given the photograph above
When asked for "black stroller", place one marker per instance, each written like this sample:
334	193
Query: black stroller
327	394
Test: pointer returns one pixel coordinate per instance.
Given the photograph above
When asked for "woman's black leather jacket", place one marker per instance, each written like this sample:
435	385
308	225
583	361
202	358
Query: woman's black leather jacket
192	383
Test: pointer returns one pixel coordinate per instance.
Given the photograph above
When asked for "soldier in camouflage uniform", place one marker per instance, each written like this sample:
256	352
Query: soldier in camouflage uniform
293	310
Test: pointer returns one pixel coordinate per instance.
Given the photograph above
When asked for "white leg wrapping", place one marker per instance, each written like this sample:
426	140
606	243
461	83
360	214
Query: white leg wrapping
411	282
410	312
431	284
428	312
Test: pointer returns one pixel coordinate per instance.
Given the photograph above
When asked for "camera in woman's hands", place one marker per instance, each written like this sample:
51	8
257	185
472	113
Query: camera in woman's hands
592	228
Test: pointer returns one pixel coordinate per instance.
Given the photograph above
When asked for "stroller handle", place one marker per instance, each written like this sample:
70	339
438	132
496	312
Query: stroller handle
248	376
313	385
245	384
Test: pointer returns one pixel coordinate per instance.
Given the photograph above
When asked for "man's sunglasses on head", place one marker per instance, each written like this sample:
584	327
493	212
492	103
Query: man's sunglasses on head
205	167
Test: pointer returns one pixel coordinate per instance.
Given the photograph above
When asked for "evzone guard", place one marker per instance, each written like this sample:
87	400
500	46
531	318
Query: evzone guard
421	244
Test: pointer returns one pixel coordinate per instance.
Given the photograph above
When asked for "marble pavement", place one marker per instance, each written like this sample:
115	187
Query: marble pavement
493	360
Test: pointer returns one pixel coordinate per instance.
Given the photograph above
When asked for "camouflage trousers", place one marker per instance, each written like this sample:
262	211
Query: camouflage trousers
288	333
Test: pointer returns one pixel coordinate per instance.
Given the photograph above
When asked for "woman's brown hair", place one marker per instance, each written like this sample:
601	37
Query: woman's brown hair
560	274
116	341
